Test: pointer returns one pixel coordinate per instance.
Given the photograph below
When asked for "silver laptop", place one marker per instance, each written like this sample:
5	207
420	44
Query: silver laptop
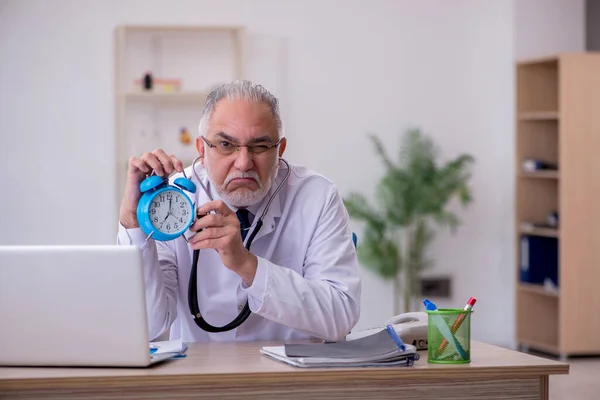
73	306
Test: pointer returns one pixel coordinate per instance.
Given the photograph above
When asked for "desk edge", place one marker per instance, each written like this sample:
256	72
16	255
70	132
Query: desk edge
305	375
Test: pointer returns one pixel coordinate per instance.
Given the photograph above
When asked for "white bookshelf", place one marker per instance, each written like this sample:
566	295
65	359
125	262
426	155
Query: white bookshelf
198	57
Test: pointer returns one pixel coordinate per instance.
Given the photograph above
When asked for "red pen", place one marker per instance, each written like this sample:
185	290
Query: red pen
458	322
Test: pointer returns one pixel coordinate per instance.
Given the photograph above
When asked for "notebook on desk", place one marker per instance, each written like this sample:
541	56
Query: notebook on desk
381	349
73	306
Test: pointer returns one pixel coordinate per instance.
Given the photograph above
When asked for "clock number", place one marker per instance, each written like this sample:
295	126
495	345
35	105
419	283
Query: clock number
165	215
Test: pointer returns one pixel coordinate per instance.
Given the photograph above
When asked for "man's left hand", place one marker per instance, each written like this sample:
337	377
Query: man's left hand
221	231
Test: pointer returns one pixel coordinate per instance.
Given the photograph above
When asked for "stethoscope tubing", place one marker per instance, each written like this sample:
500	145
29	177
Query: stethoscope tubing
193	284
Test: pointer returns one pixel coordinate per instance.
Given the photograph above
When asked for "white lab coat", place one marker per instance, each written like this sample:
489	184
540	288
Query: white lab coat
307	283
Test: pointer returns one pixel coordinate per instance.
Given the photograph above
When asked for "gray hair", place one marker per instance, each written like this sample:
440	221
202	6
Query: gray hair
240	90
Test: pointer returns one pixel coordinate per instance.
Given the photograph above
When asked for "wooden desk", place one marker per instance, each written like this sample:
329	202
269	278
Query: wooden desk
238	371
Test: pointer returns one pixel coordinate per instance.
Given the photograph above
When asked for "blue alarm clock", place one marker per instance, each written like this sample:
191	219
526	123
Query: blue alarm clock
165	211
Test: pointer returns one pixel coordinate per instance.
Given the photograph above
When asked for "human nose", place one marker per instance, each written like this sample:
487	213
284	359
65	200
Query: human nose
244	160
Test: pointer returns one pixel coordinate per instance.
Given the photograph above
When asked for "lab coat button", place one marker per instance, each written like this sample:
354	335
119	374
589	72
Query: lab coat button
240	308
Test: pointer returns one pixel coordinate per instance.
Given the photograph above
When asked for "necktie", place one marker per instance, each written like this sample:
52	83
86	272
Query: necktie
242	215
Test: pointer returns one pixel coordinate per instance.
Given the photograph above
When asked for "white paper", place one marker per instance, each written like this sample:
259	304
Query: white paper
396	359
168	346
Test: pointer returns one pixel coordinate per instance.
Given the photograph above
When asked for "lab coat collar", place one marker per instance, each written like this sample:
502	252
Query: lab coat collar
271	218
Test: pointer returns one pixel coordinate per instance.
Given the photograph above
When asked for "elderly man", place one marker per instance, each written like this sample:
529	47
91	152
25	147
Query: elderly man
298	279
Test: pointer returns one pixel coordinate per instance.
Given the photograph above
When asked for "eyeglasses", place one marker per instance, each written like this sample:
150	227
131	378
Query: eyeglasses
225	147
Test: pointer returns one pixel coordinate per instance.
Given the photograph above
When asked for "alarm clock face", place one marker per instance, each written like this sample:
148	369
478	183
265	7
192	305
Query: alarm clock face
170	212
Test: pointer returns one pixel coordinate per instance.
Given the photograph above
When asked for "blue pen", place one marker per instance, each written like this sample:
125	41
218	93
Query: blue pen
396	338
153	348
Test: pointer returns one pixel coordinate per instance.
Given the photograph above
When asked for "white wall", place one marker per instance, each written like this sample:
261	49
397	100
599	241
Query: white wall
349	68
545	27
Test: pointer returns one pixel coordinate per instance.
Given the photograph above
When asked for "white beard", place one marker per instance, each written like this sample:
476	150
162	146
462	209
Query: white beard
243	197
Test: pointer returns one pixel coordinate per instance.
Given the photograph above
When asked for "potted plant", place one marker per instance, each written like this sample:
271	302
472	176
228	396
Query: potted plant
412	195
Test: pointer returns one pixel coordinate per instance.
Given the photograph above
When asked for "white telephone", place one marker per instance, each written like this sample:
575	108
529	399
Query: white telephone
411	327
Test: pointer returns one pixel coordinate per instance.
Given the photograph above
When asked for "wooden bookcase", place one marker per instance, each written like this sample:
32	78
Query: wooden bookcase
558	121
198	58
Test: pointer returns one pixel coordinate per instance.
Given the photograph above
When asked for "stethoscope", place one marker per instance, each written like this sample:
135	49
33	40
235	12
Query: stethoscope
193	285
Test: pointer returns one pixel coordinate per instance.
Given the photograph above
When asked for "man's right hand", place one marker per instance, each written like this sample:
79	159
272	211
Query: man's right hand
138	169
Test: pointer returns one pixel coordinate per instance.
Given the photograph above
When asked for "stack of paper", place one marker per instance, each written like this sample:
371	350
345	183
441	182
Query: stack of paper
379	349
172	348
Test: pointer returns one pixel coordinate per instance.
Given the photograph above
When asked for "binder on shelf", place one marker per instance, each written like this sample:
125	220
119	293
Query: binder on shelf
538	259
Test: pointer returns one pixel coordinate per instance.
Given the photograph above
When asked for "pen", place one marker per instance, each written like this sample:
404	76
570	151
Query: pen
395	336
458	322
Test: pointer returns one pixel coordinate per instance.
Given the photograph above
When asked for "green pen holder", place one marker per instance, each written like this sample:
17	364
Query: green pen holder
449	336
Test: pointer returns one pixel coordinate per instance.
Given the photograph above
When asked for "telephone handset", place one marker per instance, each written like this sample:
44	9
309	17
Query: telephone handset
411	327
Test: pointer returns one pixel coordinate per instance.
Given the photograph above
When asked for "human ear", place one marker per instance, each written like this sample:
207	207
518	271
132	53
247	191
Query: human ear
200	148
282	146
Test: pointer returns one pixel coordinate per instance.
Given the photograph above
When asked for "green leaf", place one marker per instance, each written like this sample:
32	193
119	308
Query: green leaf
379	255
359	208
380	150
392	193
446	219
422	238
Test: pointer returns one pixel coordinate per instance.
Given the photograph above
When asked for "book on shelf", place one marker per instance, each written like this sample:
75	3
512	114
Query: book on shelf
536	165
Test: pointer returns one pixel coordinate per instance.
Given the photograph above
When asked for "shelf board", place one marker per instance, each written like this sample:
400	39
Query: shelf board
538	115
181	28
536	289
547	232
175	97
187	162
540	174
539	60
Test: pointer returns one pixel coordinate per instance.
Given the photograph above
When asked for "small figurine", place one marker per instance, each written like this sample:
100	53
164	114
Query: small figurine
148	81
184	137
